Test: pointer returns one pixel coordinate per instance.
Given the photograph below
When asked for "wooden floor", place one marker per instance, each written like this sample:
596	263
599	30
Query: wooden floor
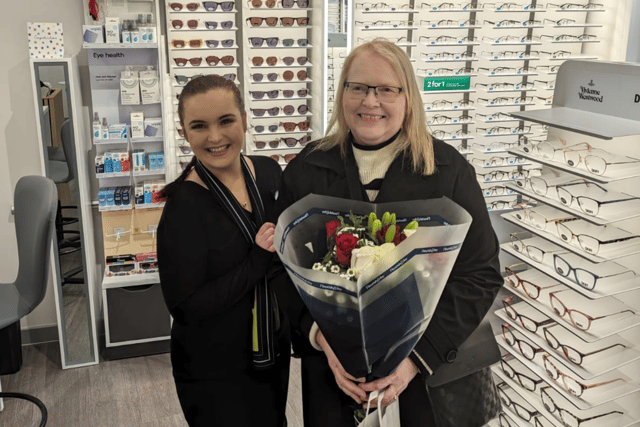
135	392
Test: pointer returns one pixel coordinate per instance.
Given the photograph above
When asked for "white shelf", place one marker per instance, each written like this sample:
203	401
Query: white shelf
584	122
148	172
601	290
149	206
592	365
130	280
119	45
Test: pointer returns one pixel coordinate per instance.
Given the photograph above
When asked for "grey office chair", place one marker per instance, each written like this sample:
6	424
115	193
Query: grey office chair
35	201
62	167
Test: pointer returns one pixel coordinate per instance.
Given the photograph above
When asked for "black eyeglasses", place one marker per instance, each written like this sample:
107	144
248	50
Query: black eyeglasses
582	277
567	418
525	381
587	204
528	323
520	410
578	318
573	355
526	349
587	242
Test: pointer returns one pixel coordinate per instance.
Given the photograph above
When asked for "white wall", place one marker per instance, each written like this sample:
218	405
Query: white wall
19	152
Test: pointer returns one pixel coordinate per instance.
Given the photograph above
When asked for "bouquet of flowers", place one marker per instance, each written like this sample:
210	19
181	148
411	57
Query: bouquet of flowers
354	246
389	273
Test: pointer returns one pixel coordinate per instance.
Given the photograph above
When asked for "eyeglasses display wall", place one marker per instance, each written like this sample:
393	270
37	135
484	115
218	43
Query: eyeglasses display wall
277	45
508	54
571	329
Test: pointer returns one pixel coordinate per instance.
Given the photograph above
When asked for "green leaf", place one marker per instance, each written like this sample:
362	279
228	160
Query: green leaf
373	238
327	257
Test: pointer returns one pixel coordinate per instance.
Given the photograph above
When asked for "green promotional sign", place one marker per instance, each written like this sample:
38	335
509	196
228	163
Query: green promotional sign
446	83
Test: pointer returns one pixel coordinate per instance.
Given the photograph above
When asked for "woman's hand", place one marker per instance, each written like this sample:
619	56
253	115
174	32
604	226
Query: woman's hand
264	238
393	384
345	381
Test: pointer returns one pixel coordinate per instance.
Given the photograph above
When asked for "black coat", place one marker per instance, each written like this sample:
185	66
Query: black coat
475	279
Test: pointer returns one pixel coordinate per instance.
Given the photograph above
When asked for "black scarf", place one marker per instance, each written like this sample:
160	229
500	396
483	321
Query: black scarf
263	310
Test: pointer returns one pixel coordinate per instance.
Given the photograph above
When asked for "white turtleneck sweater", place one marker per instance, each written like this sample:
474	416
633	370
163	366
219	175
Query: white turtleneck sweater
373	164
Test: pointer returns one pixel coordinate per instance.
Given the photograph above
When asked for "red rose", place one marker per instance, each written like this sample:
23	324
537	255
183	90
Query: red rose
399	238
332	226
383	232
345	243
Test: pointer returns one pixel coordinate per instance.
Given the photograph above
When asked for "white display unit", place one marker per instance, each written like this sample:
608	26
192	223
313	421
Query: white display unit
135	317
593	103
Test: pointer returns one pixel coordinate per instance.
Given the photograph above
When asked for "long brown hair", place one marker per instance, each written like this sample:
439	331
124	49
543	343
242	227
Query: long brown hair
414	137
197	86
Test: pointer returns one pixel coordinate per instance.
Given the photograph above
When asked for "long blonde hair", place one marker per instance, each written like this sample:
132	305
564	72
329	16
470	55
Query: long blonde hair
414	136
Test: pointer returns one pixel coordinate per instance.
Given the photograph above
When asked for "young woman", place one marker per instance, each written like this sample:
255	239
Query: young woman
230	346
378	149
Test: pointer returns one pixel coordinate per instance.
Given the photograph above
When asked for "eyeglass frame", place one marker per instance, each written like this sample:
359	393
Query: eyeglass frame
566	348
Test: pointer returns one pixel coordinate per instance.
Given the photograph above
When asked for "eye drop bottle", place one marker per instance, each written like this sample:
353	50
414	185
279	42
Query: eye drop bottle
142	27
126	31
96	126
151	29
135	32
105	128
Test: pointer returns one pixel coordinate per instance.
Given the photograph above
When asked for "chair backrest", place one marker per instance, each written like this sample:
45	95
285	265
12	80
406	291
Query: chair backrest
35	202
68	145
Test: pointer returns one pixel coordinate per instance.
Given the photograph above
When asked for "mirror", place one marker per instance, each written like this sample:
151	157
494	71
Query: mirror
56	95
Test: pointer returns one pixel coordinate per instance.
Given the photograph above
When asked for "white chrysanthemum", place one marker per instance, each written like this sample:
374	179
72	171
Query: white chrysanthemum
318	266
351	272
335	269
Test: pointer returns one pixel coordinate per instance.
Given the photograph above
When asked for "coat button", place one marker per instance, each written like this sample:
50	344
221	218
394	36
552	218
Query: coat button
451	356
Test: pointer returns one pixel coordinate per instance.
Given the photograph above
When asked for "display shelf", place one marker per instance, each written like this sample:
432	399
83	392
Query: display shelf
534	399
278	66
612	287
147	139
615	173
576	26
434	9
521	43
381	28
524	9
148	172
115	141
431	109
99	46
281	46
149	206
113	175
459	27
130	280
281	81
282	98
506	91
449	44
431	61
624	210
593	365
281	116
517	74
591	398
559	244
584	122
115	208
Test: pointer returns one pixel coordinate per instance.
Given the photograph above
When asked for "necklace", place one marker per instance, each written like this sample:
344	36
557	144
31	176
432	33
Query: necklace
242	203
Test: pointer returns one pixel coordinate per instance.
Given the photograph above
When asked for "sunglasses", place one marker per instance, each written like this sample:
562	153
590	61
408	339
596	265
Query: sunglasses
291	126
212	25
212	6
287	157
262	144
214	60
273	41
528	323
178	24
262	128
272	60
291	142
223	43
573	355
259	112
272	94
272	77
285	3
579	319
181	62
176	7
179	44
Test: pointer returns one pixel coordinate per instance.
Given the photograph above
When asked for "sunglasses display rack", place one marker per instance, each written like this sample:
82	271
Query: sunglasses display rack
277	50
581	245
201	40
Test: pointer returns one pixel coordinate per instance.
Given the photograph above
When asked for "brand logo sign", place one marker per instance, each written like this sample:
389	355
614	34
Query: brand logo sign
590	93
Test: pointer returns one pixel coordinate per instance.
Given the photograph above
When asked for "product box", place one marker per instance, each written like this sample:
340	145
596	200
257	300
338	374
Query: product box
153	161
137	124
126	195
148	188
149	86
93	33
125	163
129	87
100	164
115	162
433	84
118	131
117	196
139	194
156	187
160	160
108	166
153	126
112	29
102	198
138	160
110	196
